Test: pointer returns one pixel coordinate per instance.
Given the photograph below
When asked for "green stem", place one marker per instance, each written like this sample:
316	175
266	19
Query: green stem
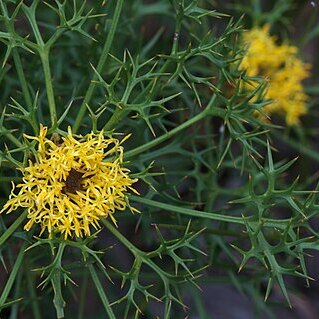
17	60
17	292
256	6
18	65
22	79
187	211
58	300
119	111
30	14
83	295
10	162
166	136
119	236
13	228
208	230
179	18
279	223
43	51
6	179
13	139
104	55
101	292
44	55
36	314
114	119
54	38
12	277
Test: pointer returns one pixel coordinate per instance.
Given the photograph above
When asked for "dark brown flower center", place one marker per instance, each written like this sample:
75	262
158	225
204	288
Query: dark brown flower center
73	182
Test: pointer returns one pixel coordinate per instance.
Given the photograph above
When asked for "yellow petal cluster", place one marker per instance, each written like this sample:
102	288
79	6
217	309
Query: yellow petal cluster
281	67
72	184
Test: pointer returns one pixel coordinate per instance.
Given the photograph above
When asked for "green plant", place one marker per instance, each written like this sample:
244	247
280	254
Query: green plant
212	194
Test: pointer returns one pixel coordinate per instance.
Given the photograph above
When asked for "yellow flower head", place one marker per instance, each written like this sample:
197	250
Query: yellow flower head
282	68
73	183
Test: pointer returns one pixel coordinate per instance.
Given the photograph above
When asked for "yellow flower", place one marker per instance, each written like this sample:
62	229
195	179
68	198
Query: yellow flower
281	67
72	184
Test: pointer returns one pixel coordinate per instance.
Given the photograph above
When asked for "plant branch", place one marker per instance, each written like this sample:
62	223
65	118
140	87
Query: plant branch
122	238
141	149
282	223
104	55
12	277
101	292
44	55
13	227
